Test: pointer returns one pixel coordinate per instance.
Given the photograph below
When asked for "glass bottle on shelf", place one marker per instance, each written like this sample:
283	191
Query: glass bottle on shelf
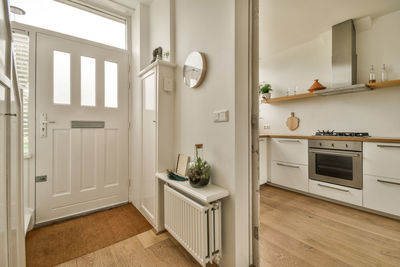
384	73
372	77
288	91
199	169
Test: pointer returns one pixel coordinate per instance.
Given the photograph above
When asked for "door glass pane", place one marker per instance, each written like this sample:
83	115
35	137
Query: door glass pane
61	78
59	17
335	166
111	84
88	81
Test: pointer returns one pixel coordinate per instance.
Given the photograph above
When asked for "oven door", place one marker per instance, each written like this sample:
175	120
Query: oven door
336	167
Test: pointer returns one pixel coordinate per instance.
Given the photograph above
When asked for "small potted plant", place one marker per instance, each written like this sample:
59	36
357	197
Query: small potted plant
265	90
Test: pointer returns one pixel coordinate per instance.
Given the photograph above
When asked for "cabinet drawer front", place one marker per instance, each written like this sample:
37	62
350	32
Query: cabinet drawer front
382	159
263	160
291	175
382	194
341	193
290	150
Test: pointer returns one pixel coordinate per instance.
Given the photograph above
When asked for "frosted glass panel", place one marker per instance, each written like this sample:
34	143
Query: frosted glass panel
61	78
111	84
88	81
150	93
59	17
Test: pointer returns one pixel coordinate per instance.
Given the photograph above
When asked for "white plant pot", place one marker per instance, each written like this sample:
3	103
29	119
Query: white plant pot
266	96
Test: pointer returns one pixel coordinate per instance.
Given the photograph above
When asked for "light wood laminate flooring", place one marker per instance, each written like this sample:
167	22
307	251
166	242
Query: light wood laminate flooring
298	230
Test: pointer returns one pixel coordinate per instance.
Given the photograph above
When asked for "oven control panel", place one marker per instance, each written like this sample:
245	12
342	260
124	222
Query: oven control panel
336	145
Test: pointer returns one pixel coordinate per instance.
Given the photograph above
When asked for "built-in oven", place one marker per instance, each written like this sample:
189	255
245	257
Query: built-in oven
336	162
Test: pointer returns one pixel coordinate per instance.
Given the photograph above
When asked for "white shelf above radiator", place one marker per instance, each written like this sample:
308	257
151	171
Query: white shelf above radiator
207	194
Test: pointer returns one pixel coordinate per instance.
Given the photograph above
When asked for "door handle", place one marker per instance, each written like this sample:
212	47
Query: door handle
331	187
388	146
43	124
287	165
9	114
387	182
289	141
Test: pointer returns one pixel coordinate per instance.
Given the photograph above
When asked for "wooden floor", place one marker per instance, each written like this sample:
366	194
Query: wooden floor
298	230
144	250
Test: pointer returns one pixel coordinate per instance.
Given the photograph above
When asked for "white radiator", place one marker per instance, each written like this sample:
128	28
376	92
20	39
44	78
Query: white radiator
197	227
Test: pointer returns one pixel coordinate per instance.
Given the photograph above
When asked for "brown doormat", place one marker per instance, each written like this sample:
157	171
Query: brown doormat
61	242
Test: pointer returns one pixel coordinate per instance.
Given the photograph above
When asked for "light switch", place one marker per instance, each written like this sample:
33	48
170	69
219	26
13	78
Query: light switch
215	116
221	116
168	84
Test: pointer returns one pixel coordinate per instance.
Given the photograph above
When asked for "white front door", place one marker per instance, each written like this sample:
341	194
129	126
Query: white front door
79	168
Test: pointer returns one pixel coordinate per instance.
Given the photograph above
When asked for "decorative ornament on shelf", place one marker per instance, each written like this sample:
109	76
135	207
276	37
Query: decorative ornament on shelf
166	55
292	122
316	86
157	54
265	90
199	169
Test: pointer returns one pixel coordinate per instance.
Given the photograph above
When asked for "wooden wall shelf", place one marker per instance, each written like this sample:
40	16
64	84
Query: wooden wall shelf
288	98
308	95
384	84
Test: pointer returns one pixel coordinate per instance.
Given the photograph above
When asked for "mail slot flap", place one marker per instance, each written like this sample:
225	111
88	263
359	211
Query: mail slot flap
87	124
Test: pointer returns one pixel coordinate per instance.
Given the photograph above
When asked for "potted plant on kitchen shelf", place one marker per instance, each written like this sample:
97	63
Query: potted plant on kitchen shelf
265	90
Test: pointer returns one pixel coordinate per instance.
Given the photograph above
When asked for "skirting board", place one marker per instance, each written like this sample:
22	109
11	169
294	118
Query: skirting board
391	216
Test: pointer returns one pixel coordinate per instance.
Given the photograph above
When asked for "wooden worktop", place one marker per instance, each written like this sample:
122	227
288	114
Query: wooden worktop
337	138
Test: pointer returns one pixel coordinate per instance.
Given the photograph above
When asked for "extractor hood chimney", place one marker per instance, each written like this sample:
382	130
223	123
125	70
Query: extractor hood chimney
344	57
344	60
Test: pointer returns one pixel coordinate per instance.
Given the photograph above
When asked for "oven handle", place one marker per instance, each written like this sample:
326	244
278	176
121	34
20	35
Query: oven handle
331	187
330	152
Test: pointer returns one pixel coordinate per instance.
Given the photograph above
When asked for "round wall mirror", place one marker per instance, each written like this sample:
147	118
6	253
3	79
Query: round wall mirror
194	69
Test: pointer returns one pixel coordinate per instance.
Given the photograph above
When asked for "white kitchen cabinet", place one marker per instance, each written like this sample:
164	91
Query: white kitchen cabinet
382	194
382	159
382	177
290	175
338	192
263	160
289	150
157	131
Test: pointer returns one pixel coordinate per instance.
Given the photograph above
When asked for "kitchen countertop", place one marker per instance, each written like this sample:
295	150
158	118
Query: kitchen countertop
337	138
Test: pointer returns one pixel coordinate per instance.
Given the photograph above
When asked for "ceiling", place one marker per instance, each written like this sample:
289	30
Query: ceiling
287	23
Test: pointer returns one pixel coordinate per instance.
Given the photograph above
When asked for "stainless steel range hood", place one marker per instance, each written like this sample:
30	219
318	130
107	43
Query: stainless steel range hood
344	61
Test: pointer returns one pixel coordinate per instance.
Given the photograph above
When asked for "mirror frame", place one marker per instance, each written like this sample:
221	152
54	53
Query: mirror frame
203	73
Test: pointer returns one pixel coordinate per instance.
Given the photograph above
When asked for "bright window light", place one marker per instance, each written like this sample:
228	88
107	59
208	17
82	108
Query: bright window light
88	81
61	78
110	84
59	17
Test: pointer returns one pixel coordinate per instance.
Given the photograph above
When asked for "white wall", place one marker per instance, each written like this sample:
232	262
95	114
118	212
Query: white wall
207	26
375	112
200	26
160	25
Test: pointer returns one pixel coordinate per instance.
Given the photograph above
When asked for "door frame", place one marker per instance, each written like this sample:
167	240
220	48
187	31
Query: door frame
32	31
